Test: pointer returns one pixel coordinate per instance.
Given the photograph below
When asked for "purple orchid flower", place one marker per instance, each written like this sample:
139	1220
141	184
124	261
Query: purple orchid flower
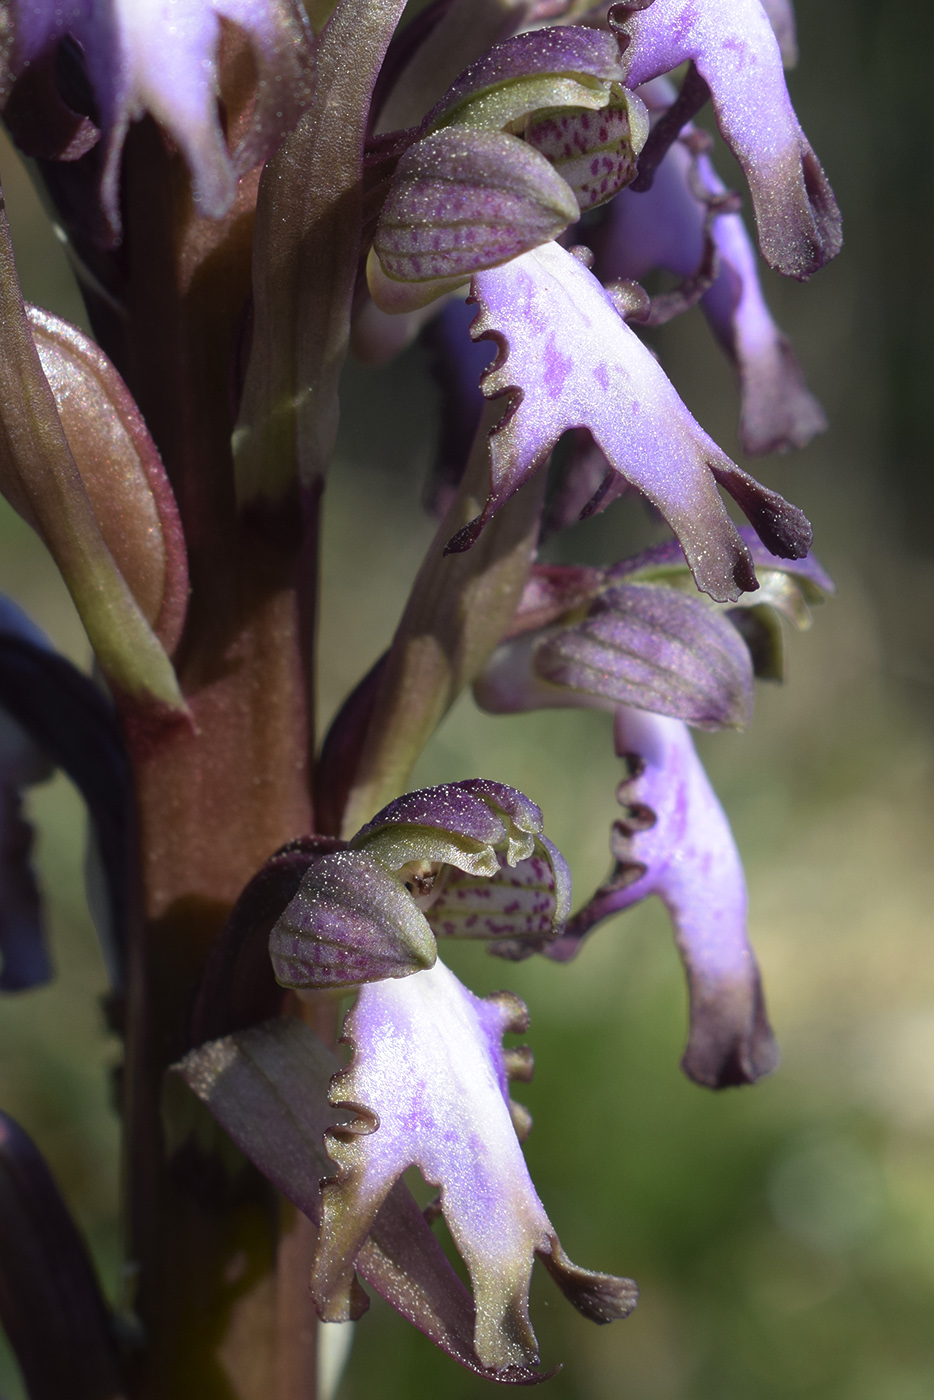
428	1085
120	40
428	1082
735	51
679	660
53	716
675	842
567	359
666	226
22	942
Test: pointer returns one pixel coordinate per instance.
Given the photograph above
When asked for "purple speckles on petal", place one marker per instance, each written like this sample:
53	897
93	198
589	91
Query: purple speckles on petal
581	150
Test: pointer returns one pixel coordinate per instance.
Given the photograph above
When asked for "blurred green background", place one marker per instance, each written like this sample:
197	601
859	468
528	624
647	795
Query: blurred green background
783	1236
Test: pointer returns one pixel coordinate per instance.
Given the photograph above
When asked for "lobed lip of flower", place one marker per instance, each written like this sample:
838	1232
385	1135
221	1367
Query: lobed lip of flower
674	841
735	50
567	359
464	860
267	1086
152	56
428	1084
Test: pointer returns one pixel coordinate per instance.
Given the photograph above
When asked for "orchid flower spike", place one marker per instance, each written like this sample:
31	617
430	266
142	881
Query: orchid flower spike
162	57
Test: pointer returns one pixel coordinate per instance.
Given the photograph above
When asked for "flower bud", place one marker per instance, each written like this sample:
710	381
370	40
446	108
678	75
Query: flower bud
462	200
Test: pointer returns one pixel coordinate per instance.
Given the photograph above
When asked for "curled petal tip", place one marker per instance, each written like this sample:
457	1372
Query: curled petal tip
600	1297
733	1046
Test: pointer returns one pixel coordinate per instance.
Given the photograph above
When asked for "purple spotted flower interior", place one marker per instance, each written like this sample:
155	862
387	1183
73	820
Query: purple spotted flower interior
251	191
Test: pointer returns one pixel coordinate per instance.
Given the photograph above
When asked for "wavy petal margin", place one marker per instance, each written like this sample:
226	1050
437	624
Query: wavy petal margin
568	360
429	1083
674	841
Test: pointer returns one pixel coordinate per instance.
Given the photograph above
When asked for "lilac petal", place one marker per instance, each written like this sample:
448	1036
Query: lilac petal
51	1305
22	940
557	67
350	921
782	19
429	1069
674	841
568	360
778	409
268	1088
524	907
460	824
735	51
33	27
